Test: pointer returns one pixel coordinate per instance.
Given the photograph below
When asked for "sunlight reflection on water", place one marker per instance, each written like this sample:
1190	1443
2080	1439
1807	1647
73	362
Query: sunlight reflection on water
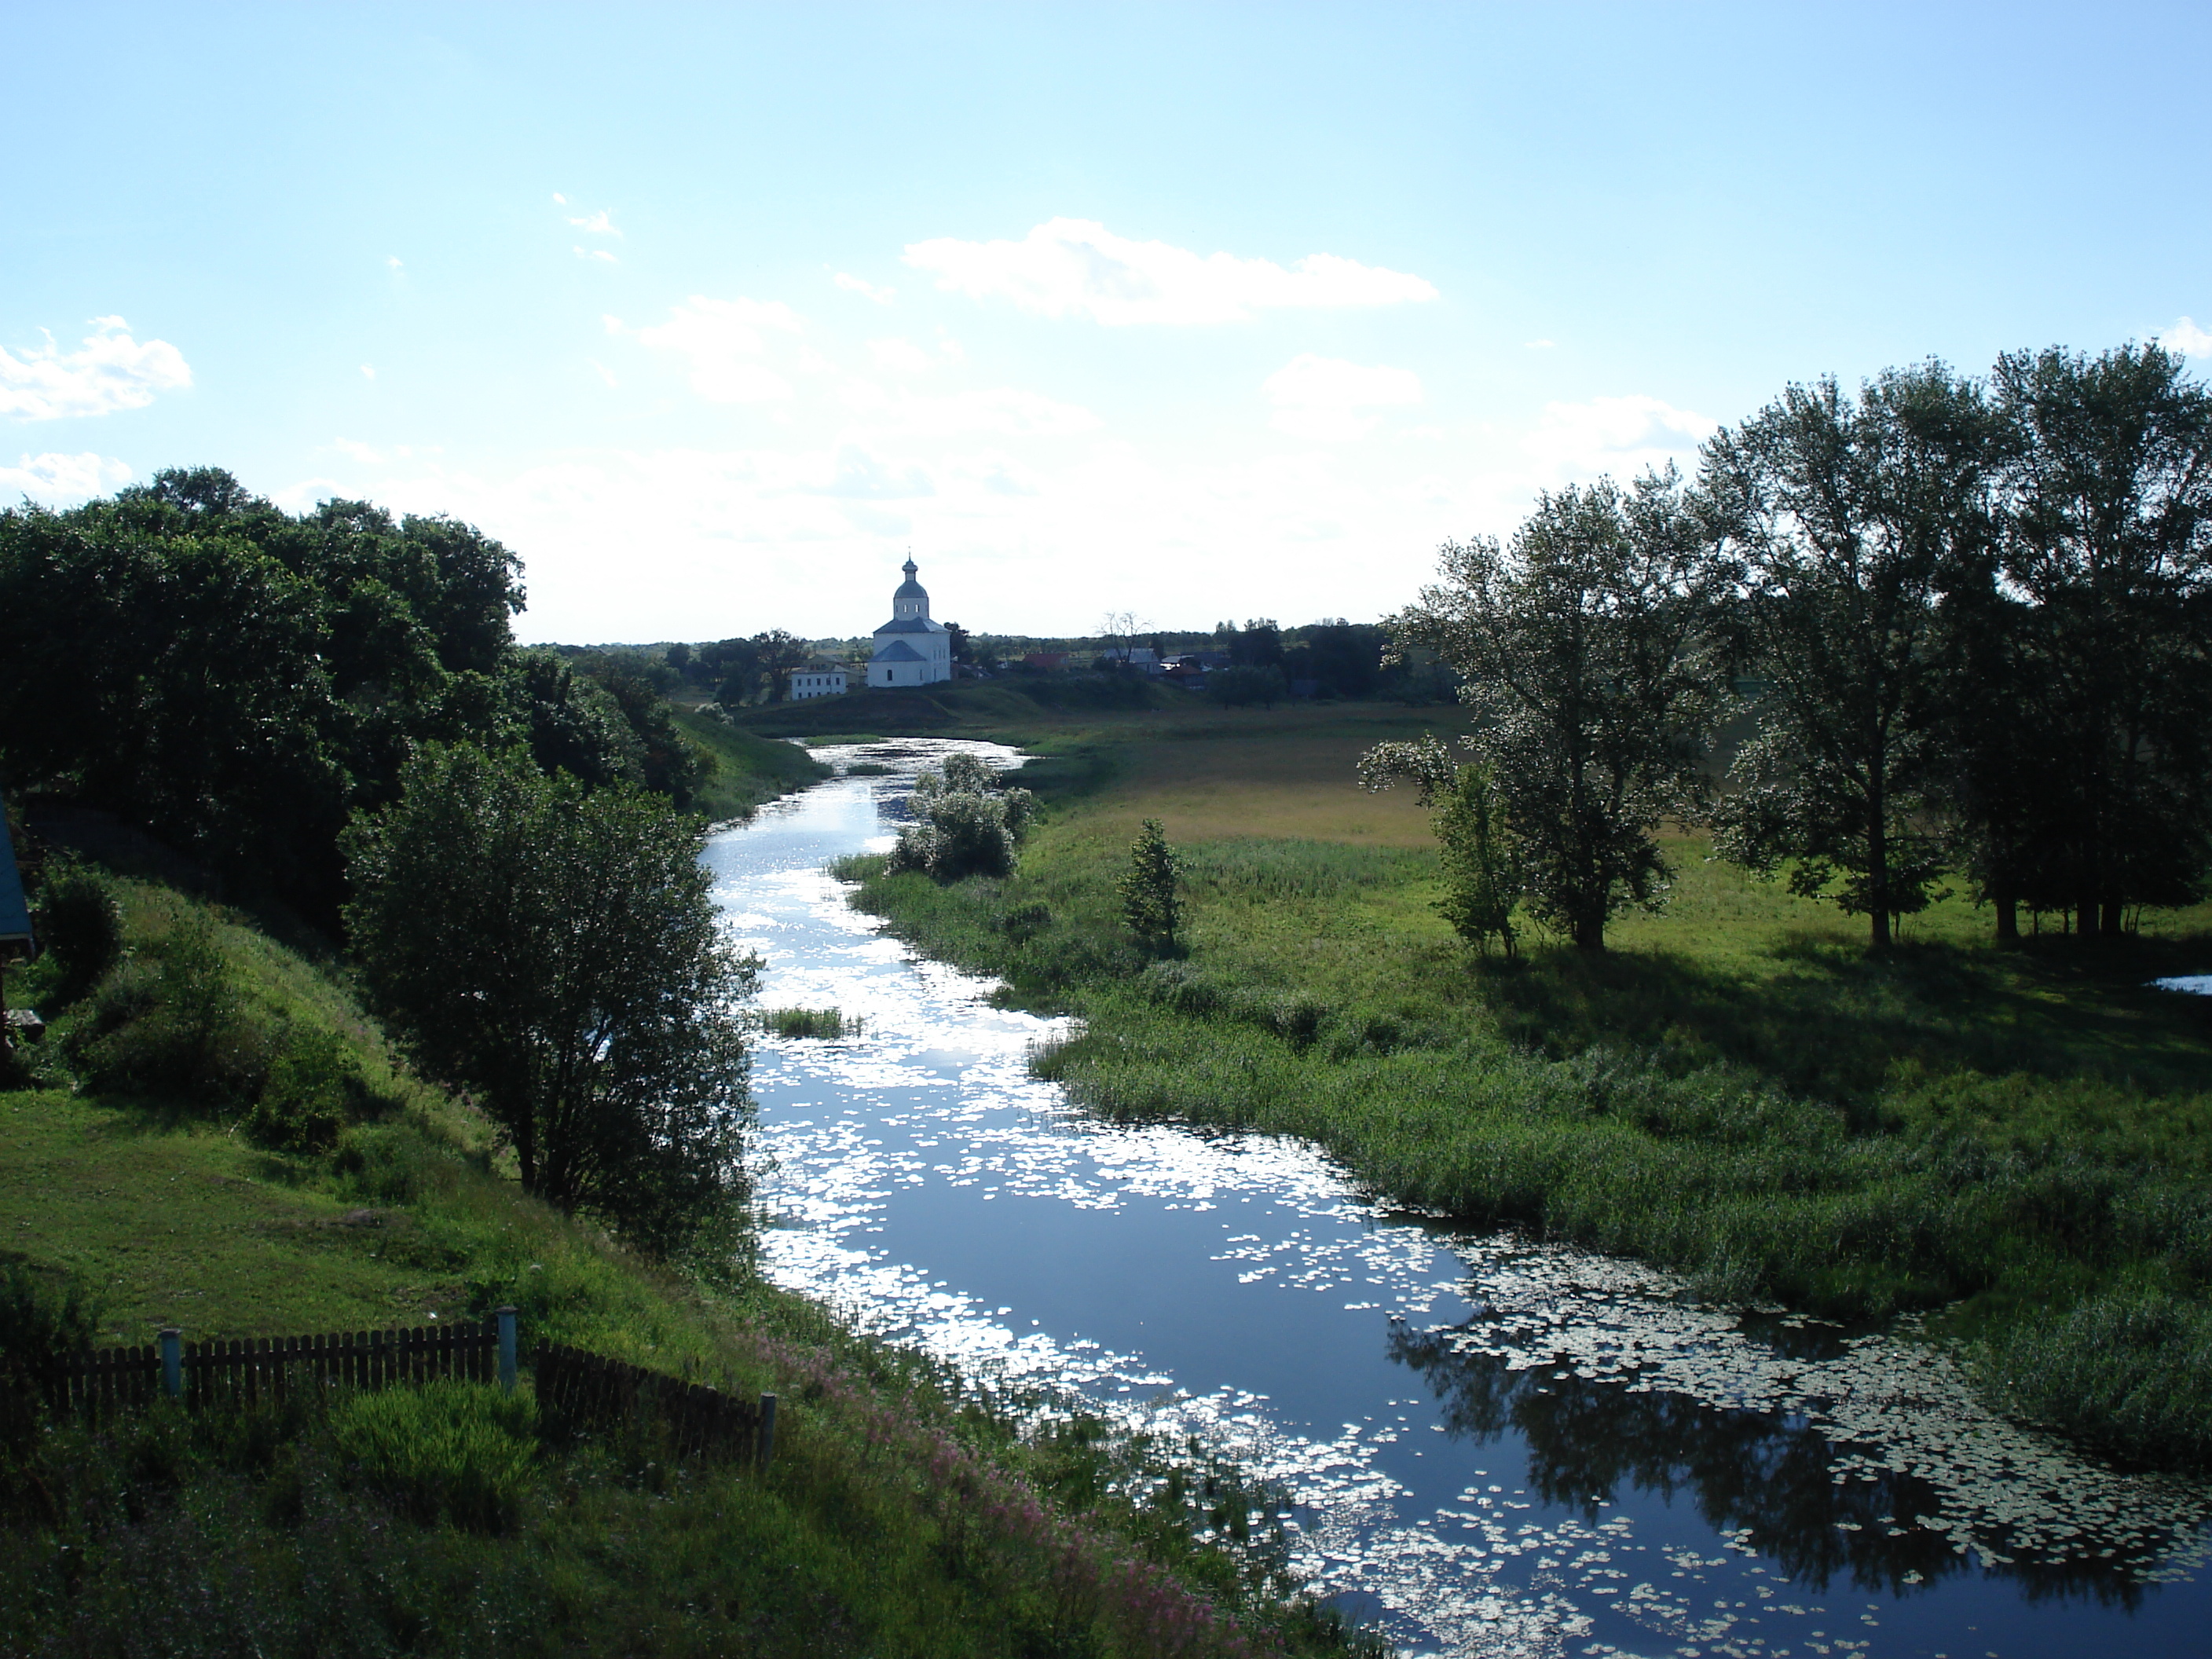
1498	1447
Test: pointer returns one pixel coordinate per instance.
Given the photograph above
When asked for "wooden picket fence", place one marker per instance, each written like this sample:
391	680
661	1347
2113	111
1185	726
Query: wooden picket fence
580	1390
251	1370
588	1391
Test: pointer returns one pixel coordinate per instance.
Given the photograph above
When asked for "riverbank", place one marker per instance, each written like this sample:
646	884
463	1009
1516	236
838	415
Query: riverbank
2018	1142
904	1513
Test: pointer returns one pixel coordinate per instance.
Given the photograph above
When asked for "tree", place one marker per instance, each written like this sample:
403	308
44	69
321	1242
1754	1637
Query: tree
1851	521
2089	757
776	653
1585	651
957	638
1117	633
555	952
1481	865
1150	902
1259	644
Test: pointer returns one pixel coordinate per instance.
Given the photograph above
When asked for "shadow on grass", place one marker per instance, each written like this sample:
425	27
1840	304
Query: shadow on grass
1829	1018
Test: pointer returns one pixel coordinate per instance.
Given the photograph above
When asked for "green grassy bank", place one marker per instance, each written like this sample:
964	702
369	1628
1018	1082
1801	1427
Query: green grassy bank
2017	1140
296	1178
749	768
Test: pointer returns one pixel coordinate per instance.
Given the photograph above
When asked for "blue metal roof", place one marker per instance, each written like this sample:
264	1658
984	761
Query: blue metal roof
15	914
898	650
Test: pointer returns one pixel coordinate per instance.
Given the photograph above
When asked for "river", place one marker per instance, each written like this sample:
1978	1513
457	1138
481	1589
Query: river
1497	1446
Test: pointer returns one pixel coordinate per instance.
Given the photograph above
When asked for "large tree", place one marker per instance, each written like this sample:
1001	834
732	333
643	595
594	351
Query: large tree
1583	648
555	952
1851	519
2089	754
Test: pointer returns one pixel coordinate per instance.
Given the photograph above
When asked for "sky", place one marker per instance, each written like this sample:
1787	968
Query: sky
713	314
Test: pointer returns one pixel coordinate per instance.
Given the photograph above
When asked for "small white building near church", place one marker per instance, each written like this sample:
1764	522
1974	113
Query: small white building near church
816	682
910	649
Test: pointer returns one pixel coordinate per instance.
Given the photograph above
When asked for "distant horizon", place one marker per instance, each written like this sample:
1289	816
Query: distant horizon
1141	311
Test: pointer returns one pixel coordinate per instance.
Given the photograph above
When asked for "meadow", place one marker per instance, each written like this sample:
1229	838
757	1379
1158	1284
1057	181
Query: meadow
2013	1142
907	1512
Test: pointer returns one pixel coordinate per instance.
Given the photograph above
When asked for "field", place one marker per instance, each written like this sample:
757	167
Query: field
2017	1142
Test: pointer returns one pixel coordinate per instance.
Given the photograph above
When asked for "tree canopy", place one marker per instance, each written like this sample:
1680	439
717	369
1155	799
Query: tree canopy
234	679
555	951
1584	651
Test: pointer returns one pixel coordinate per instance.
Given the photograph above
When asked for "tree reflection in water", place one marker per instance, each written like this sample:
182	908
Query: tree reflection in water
1767	1477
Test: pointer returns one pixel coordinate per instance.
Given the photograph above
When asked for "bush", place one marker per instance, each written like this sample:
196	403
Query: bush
178	1031
1238	688
453	1452
313	1087
82	929
39	1319
968	826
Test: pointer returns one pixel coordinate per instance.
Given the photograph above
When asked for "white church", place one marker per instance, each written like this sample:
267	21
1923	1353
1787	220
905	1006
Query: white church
910	649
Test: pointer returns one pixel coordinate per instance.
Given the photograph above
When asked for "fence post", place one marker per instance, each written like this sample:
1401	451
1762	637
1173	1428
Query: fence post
172	1362
767	1429
507	1349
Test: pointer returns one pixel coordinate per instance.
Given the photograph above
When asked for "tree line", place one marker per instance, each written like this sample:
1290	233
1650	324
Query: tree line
236	680
1965	621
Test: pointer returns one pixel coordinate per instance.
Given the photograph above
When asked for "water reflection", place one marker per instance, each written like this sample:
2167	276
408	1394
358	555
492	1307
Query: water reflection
1773	1481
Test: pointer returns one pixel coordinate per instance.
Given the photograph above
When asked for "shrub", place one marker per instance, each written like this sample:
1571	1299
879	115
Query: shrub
967	827
178	1031
1242	687
314	1086
82	929
39	1319
826	1023
453	1452
1149	904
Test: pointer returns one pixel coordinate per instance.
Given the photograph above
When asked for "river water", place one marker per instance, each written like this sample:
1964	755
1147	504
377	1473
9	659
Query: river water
1497	1447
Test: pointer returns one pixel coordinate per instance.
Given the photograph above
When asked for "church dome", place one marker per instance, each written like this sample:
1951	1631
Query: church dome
910	589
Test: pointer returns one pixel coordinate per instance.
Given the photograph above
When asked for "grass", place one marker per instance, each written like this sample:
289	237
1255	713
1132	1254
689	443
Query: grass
828	1023
749	768
906	1513
2019	1140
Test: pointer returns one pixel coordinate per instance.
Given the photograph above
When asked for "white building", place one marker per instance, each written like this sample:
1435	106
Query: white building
816	682
910	649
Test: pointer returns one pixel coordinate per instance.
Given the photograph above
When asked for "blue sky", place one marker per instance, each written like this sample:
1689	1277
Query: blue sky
1195	312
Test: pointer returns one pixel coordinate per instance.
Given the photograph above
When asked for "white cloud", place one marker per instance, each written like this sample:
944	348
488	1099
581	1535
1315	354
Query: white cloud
53	479
723	341
559	199
902	356
2187	339
1538	345
110	371
853	284
1322	398
1617	435
598	253
596	224
1005	410
357	451
393	262
1077	267
369	371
